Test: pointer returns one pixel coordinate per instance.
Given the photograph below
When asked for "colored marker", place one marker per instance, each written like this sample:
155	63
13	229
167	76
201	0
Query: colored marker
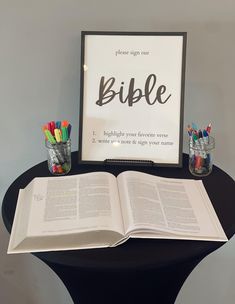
58	124
58	135
64	131
200	139
195	138
208	129
64	123
52	127
69	130
194	126
205	137
50	137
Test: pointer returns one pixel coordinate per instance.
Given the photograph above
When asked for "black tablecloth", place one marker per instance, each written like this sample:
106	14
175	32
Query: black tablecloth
136	253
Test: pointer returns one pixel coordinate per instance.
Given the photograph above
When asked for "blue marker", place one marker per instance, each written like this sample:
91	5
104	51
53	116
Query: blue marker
194	126
205	137
58	124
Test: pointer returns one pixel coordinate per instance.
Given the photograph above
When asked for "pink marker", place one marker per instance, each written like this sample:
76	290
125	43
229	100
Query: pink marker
208	129
52	127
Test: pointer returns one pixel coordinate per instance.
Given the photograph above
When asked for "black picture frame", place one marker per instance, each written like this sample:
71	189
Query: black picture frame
152	96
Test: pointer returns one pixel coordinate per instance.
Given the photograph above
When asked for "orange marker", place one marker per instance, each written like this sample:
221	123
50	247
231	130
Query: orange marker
64	123
59	169
44	128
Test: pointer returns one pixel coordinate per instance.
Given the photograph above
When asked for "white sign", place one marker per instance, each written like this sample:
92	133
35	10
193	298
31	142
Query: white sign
132	97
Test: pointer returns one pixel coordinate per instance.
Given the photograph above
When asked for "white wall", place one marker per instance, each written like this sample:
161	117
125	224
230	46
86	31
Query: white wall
39	81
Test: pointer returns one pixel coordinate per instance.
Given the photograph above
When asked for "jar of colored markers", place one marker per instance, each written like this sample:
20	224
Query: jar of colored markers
58	146
59	157
201	148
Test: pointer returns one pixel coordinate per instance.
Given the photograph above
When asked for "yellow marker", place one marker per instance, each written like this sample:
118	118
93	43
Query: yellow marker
57	135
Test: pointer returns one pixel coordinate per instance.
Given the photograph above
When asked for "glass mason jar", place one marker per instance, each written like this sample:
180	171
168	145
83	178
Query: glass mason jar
59	157
201	155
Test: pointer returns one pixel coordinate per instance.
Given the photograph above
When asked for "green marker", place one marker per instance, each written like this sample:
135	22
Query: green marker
64	131
49	136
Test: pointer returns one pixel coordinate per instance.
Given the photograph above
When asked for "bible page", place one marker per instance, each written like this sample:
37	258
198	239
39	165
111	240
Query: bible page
79	203
167	206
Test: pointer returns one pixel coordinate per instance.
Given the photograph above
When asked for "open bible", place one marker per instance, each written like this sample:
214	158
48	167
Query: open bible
97	209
